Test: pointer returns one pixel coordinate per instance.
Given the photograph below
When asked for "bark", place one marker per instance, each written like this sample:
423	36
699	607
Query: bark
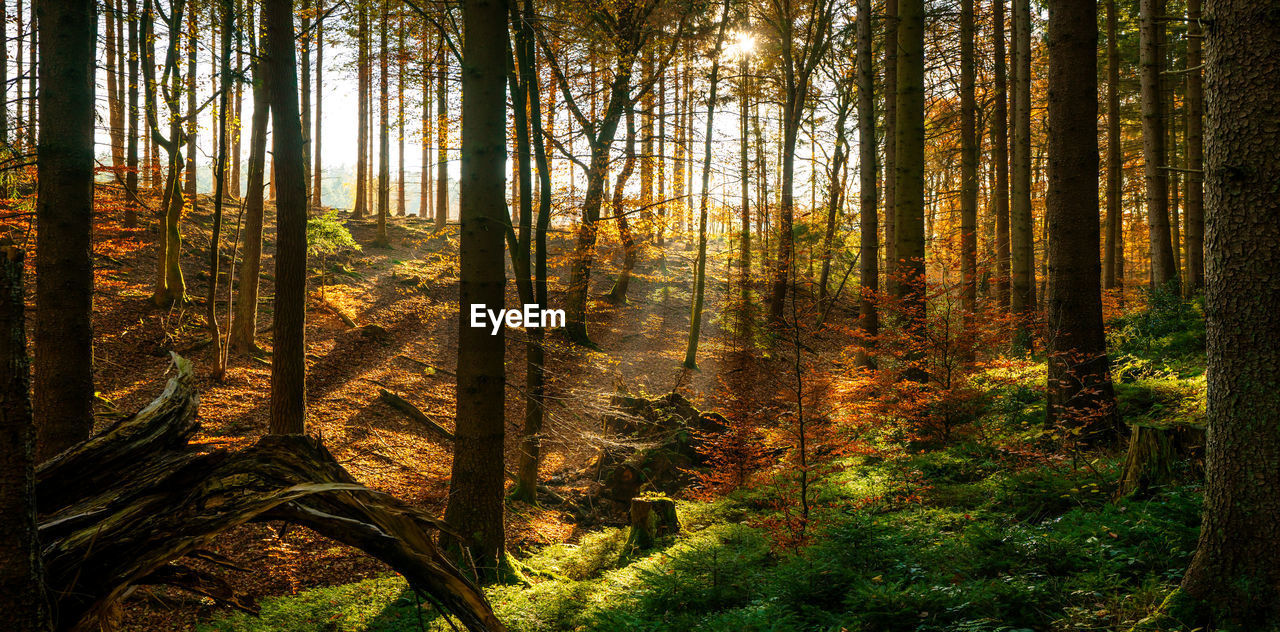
317	179
192	123
909	168
245	325
1236	569
442	135
890	143
626	234
1164	270
384	137
968	162
63	385
869	241
362	133
1022	270
131	151
304	80
288	366
219	188
476	482
1079	387
22	596
401	55
1000	153
1113	251
114	110
652	517
1195	151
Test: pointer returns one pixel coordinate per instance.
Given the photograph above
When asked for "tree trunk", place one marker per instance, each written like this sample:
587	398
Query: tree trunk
700	272
384	136
362	133
1236	568
288	365
401	56
475	505
1022	300
968	162
63	388
869	241
1079	381
442	135
317	179
1000	153
626	234
245	325
909	176
1164	269
114	110
1113	251
219	188
1195	151
22	594
131	157
192	123
890	144
304	81
651	518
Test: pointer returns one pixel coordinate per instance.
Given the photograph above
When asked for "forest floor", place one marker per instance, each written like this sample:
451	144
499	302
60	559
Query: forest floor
988	532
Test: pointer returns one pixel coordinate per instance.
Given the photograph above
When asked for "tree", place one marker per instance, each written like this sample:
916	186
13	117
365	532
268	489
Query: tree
1113	251
1000	151
22	597
384	136
869	244
1195	150
700	272
317	179
63	389
803	38
1022	269
1079	380
909	166
1236	568
475	506
968	161
1164	265
288	364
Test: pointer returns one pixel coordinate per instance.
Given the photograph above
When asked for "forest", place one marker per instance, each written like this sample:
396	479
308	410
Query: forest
652	315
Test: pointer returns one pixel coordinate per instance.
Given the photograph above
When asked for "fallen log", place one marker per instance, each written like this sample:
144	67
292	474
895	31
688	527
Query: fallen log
413	412
122	508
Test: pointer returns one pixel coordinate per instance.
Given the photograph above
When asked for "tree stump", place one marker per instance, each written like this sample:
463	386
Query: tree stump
1153	453
652	517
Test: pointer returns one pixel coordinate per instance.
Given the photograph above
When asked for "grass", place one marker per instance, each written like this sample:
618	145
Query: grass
969	537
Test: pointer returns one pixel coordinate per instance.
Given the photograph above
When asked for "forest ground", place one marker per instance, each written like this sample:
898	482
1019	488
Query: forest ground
987	533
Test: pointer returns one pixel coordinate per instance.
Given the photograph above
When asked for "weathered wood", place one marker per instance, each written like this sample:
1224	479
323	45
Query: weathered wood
414	413
1153	454
652	517
124	506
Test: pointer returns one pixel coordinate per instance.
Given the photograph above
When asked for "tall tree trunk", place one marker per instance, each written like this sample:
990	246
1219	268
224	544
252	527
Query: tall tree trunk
304	80
1195	151
700	272
1236	568
288	364
1113	251
744	175
362	134
1164	270
193	125
475	505
890	144
219	187
114	111
968	161
1079	381
626	233
909	176
1022	272
131	157
424	191
22	595
245	325
384	136
317	179
63	388
401	55
442	135
869	241
237	106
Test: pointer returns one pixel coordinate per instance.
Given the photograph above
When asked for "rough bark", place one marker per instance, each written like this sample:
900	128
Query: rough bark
476	507
1022	299
1079	388
1236	568
1000	151
288	366
1164	270
384	136
909	166
1113	251
869	242
63	385
244	326
1195	151
968	161
22	596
